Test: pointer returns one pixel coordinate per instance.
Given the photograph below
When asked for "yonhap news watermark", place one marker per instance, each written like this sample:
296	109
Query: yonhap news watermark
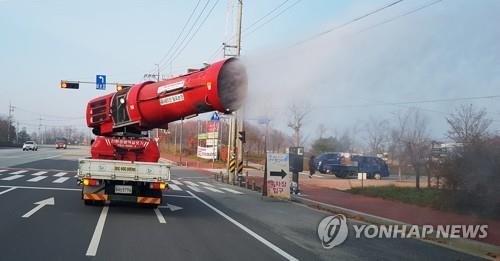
334	230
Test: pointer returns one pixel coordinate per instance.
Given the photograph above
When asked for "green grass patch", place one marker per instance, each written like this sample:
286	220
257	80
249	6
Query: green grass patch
427	197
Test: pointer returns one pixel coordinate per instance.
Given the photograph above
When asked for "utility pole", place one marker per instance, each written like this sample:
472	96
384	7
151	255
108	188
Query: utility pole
180	143
17	132
11	110
40	139
240	114
235	148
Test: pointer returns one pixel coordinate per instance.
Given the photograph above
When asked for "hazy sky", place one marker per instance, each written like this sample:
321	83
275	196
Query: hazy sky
449	50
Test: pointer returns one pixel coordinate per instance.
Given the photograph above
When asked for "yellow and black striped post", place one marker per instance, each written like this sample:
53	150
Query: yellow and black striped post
240	167
232	165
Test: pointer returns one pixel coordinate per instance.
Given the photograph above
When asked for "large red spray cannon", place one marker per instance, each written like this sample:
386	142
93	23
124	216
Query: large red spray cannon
220	86
122	117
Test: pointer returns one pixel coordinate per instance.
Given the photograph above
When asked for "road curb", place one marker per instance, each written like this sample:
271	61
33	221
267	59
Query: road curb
163	160
472	247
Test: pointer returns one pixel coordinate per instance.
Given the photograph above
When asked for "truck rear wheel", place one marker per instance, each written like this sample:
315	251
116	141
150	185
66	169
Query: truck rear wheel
341	174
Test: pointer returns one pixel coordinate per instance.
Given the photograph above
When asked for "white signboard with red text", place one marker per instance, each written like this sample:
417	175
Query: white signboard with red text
278	178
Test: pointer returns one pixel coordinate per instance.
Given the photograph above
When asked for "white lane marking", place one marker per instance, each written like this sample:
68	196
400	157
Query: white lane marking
53	156
18	172
60	174
206	184
2	170
36	179
39	173
96	237
42	188
176	182
244	228
213	189
160	217
7	190
194	188
177	196
13	177
232	190
60	180
174	187
191	183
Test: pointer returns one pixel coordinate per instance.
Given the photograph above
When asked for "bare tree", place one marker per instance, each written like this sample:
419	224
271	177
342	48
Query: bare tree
468	124
416	141
321	130
377	135
296	121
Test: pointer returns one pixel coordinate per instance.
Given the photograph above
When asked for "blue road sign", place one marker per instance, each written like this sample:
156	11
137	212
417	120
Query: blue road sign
215	117
100	82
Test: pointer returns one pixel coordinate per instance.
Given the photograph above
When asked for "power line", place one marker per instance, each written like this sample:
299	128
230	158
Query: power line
274	17
349	22
197	29
181	33
266	15
167	61
48	115
401	15
417	102
218	49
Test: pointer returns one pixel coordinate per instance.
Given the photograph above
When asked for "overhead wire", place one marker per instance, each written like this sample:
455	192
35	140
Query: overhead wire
185	37
196	31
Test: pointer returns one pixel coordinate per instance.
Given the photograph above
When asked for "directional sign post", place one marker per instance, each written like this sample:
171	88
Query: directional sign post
100	82
278	177
40	204
215	117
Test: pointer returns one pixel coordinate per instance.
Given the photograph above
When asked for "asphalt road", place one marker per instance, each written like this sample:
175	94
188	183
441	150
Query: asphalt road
200	220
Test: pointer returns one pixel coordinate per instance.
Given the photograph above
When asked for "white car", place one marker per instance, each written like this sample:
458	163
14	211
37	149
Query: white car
30	145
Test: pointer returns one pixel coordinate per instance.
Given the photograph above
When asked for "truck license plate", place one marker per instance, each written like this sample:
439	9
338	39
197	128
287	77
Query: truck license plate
123	189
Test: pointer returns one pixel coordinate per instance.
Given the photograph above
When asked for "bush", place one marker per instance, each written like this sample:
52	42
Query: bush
428	197
472	177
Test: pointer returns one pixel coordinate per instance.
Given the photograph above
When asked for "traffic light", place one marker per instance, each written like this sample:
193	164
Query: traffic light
70	85
120	87
241	136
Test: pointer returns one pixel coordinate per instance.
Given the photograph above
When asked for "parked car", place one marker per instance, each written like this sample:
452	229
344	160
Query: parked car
344	165
30	145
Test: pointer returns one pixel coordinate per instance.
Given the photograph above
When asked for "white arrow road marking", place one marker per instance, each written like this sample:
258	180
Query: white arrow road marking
18	172
41	204
246	229
60	174
60	180
160	217
174	187
7	190
172	207
96	237
214	190
194	188
39	173
191	183
206	184
176	182
231	190
13	177
36	179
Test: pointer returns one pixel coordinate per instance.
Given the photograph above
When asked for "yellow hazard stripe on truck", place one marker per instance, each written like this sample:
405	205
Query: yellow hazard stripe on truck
101	197
147	200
